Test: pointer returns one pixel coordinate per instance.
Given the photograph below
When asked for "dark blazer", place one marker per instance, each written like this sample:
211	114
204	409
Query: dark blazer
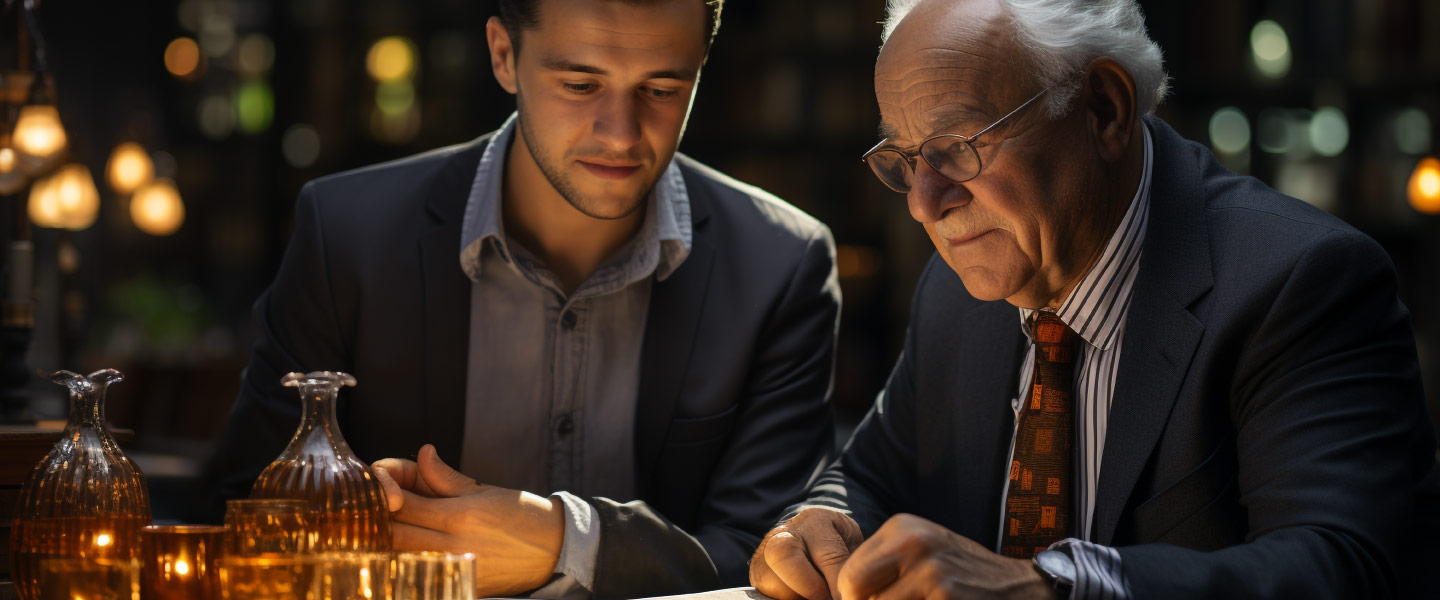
731	416
1267	436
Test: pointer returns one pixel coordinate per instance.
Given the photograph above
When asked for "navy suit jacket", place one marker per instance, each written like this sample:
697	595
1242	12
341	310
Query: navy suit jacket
1267	436
731	417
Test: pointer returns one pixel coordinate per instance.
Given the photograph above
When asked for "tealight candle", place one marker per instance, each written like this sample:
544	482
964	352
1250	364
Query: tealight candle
180	562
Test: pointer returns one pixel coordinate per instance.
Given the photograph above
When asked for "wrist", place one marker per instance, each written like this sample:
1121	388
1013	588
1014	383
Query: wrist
1057	569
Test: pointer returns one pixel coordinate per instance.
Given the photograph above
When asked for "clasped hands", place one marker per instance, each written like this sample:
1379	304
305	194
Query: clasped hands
516	535
821	554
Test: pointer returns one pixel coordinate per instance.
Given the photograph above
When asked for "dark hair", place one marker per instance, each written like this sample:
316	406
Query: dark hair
519	15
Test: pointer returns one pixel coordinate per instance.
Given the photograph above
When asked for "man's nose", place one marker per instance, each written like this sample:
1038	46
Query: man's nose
932	195
617	121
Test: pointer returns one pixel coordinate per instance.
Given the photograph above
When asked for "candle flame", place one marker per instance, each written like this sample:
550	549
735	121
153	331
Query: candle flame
103	540
182	567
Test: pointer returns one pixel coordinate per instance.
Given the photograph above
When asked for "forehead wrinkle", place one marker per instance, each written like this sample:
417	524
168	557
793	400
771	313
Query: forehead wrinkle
618	32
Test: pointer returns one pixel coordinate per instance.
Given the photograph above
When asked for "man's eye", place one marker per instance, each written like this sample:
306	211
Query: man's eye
579	88
659	94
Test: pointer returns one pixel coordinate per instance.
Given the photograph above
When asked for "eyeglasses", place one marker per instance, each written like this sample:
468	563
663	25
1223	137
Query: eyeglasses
953	156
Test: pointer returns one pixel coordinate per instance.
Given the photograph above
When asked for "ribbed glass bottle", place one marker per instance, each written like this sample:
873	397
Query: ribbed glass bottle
86	499
348	508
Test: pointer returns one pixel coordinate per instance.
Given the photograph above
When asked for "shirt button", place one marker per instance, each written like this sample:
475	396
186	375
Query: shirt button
564	425
568	319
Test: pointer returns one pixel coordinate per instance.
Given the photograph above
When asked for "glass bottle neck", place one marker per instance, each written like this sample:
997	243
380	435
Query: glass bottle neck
318	432
87	406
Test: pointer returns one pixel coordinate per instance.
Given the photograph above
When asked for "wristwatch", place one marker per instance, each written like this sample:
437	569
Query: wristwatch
1057	568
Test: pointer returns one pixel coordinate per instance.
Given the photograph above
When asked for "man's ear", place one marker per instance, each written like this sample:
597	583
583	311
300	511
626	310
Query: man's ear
1108	97
502	54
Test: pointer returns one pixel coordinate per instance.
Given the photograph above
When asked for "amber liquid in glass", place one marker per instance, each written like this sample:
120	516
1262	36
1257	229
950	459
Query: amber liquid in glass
35	540
348	510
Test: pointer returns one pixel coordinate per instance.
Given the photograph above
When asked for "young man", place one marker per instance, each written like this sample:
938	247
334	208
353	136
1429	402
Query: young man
629	351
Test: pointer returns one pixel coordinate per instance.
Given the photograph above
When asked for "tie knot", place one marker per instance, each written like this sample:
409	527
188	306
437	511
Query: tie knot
1047	328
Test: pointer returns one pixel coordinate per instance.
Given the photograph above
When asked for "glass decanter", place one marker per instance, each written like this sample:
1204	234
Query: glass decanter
86	499
347	504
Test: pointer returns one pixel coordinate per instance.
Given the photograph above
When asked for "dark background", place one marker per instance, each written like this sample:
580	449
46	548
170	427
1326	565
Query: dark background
785	103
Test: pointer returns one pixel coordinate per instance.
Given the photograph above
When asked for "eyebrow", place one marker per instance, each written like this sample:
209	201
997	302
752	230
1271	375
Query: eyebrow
559	64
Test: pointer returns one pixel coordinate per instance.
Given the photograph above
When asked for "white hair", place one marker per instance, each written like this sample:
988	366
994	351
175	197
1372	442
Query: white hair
1061	37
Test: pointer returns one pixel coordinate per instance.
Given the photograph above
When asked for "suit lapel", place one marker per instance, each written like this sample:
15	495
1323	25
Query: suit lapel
445	298
676	305
1161	335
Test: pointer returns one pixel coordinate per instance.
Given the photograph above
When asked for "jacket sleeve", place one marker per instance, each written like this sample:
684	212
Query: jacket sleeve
783	434
875	475
296	328
1332	442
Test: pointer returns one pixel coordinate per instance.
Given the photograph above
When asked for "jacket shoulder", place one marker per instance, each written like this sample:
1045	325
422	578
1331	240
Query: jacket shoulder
747	207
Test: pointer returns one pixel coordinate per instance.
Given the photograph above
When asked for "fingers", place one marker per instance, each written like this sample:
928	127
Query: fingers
764	579
404	473
431	513
871	569
788	560
412	538
439	477
394	494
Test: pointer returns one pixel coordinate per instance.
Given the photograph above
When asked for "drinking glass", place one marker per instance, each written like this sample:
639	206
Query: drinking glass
434	576
354	575
180	562
268	577
89	579
268	526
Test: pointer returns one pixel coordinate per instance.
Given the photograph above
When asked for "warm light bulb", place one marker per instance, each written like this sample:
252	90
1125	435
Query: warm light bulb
12	177
39	137
129	168
44	205
78	200
157	209
1424	188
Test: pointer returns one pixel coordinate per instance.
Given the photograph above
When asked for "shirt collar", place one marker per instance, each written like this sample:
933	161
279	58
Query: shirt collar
667	227
1098	305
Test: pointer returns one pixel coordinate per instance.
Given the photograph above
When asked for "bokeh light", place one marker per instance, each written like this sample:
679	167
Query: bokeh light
68	199
300	145
254	107
1329	131
391	58
216	117
256	54
1270	48
182	58
1229	131
1412	131
1424	188
395	97
129	168
12	177
157	209
39	137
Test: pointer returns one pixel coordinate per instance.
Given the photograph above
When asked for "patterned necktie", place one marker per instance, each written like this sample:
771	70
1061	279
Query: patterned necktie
1038	508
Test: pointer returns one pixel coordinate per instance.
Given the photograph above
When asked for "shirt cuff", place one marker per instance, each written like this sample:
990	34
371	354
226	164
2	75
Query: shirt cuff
1097	570
578	551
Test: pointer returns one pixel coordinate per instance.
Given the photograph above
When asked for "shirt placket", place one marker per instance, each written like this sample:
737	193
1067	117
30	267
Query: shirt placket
569	329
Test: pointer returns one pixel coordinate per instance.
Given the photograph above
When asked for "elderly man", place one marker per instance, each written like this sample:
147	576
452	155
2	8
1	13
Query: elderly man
1141	375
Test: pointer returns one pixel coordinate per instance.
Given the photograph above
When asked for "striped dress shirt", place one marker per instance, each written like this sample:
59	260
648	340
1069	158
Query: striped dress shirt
1096	311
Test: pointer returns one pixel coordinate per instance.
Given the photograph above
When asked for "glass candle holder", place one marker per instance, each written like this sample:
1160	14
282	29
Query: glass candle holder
434	576
269	577
89	579
181	562
266	526
354	575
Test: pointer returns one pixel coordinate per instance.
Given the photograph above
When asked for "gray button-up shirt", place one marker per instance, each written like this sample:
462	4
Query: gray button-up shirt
552	379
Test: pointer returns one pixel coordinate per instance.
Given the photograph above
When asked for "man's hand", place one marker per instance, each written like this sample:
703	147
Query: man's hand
802	557
910	557
516	535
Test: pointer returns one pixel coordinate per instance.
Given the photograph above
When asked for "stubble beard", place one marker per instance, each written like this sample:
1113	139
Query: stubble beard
561	182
